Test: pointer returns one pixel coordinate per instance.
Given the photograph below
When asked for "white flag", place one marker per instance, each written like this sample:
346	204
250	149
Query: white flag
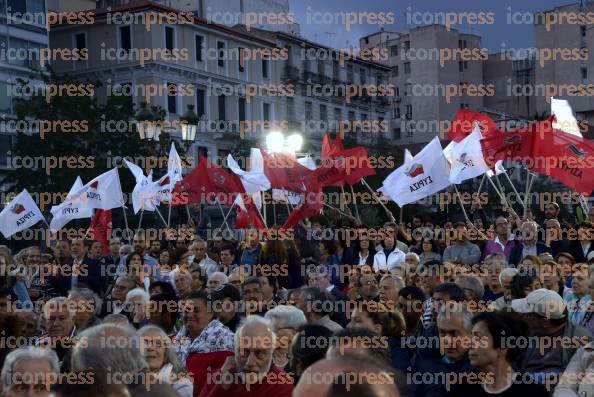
174	165
69	209
466	158
499	169
308	162
419	177
103	192
20	214
143	197
564	118
254	181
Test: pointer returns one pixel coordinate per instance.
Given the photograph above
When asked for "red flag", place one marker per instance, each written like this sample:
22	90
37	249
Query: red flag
564	157
101	228
242	220
347	165
311	205
251	216
284	172
463	125
513	146
208	181
329	149
357	164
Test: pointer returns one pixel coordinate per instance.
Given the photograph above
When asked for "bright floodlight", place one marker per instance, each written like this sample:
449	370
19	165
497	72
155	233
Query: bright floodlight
294	142
275	141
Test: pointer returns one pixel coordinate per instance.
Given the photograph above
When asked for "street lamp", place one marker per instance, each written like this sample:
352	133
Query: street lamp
276	142
189	124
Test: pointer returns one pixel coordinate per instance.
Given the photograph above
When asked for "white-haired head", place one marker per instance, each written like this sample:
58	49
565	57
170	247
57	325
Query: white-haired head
24	354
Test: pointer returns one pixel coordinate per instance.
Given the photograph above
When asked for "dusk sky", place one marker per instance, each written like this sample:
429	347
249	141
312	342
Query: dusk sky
518	36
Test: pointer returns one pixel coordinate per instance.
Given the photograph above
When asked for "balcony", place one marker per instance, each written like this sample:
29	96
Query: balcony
290	74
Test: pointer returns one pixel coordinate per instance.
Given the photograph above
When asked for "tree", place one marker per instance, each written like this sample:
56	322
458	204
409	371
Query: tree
75	135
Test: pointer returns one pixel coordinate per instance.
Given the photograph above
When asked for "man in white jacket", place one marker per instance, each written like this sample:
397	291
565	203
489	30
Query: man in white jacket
389	256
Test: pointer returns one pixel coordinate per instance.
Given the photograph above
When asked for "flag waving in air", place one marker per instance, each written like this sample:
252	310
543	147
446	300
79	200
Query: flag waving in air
419	177
465	121
466	158
69	209
20	214
143	196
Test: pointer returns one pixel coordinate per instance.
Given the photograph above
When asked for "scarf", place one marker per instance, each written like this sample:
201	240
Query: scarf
214	338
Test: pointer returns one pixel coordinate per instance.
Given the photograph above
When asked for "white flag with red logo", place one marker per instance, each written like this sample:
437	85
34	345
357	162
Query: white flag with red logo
420	176
69	209
20	214
143	196
103	192
466	157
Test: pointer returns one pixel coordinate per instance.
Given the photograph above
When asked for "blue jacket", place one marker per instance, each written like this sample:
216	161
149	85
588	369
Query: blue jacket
419	388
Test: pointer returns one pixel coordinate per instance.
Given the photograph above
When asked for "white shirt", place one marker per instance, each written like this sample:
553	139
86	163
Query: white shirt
363	259
380	262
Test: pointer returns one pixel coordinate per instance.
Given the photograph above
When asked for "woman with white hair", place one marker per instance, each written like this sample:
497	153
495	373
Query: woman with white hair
162	360
135	306
41	365
286	321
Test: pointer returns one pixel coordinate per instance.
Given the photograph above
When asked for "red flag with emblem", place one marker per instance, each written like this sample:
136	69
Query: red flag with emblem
513	146
284	172
463	125
311	205
565	157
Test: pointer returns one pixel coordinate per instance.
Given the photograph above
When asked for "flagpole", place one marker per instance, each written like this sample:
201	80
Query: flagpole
466	215
516	191
187	212
263	195
501	195
169	212
388	212
339	211
225	219
140	220
126	223
223	213
356	206
529	189
161	216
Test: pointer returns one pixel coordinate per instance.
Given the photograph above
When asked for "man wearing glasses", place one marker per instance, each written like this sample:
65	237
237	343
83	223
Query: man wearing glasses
504	242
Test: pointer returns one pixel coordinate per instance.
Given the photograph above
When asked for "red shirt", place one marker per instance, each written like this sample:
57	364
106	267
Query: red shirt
277	383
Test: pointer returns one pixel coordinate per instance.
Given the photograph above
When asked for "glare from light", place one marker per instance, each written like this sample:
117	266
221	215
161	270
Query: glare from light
275	141
294	142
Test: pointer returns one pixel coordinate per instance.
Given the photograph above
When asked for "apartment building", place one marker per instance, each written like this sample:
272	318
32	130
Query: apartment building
211	76
22	36
569	75
320	78
421	77
506	70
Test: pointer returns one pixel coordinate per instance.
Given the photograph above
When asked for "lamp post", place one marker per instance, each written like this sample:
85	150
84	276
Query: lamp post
189	126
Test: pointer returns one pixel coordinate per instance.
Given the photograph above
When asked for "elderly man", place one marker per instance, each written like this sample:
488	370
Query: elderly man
250	372
530	244
29	371
454	324
207	265
504	243
546	312
505	278
182	281
112	352
86	302
368	290
286	321
215	279
389	287
555	238
58	316
115	303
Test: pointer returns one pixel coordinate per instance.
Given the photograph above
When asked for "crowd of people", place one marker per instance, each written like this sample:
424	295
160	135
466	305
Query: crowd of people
498	306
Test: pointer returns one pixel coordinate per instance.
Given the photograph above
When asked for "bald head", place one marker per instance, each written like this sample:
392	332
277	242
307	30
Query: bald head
339	376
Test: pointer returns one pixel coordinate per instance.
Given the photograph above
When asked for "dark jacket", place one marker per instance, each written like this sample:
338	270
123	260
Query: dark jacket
435	366
575	249
92	276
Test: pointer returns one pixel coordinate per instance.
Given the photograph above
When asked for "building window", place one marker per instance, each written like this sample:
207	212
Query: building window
396	113
336	70
15	6
407	68
80	41
169	38
350	76
265	68
409	112
202	151
323	113
465	64
337	114
265	111
351	115
35	6
172	98
394	51
5	98
221	54
379	78
363	76
406	46
407	89
584	71
241	107
397	91
321	68
308	111
241	60
5	147
460	66
395	71
198	43
125	38
221	105
200	102
583	31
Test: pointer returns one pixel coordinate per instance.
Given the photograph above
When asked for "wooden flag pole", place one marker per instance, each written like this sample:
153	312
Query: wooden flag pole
126	223
388	212
466	215
339	211
529	189
169	211
140	220
501	195
356	206
225	219
161	216
223	213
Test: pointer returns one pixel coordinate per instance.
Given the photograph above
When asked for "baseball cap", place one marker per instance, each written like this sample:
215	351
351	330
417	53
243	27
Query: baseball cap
226	291
544	302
